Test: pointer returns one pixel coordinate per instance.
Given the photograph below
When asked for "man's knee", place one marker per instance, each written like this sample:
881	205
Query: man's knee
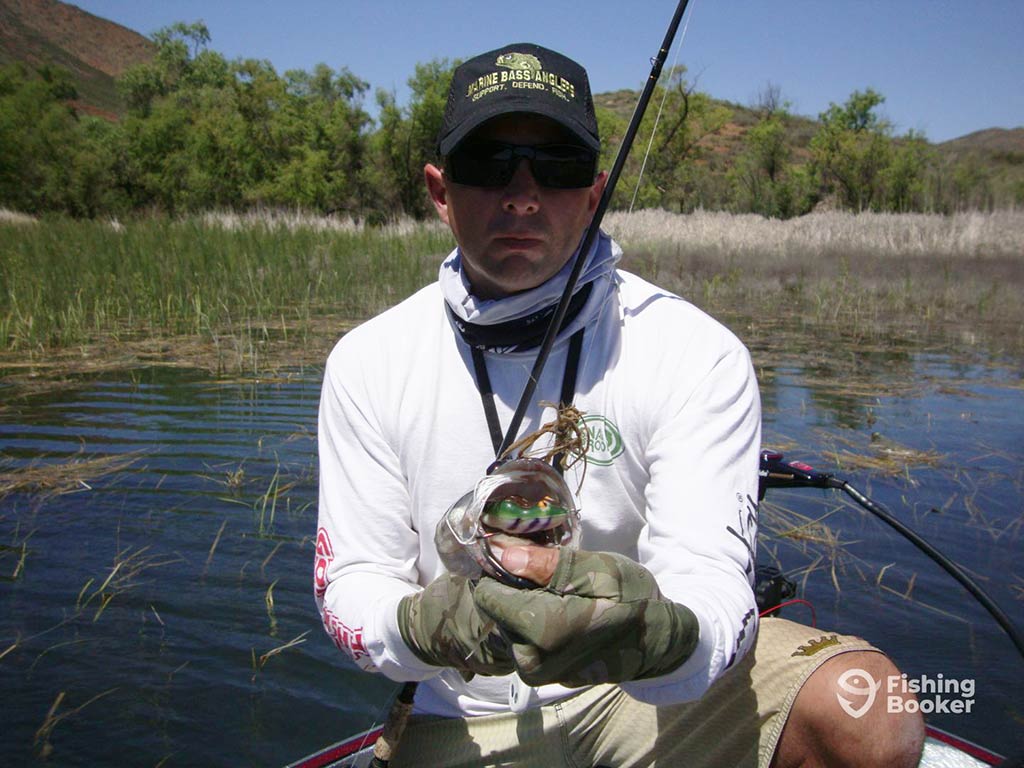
841	717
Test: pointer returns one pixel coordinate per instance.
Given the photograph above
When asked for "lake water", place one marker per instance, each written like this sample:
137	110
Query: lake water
137	603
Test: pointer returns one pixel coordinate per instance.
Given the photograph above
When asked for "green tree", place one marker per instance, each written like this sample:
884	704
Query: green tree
764	178
204	133
676	174
760	170
320	142
904	178
39	135
180	60
183	145
852	150
407	139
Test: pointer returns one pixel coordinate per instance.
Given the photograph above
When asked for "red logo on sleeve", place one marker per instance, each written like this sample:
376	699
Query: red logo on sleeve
324	556
348	639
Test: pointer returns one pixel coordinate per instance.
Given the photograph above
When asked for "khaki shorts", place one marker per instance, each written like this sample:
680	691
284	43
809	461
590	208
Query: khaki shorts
737	723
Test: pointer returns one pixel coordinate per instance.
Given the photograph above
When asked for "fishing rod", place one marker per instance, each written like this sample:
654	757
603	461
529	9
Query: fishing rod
588	238
776	473
398	716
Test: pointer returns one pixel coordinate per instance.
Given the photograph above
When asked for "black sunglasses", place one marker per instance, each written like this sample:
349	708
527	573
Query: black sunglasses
493	163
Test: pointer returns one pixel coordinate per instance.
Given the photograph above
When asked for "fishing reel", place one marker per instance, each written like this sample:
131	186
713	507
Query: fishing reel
521	502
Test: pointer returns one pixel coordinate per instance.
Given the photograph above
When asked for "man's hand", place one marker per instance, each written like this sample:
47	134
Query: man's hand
600	618
443	627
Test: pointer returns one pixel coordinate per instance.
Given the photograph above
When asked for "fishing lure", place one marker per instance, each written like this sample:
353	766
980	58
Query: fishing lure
521	517
523	501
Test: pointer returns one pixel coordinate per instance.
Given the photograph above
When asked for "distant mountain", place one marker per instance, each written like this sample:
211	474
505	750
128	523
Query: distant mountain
94	50
1006	141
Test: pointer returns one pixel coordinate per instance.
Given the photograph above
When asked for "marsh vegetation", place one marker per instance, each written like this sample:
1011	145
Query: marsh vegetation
250	294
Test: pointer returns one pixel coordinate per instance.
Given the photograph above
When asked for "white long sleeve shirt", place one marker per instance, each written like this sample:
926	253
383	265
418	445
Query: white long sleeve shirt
672	403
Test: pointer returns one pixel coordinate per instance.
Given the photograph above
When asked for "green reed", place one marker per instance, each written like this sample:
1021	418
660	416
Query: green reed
66	282
237	283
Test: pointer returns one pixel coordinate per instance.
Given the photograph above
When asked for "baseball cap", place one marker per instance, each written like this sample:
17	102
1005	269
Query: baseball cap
521	77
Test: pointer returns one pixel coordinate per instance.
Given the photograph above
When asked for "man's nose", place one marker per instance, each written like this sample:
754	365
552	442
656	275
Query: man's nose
521	194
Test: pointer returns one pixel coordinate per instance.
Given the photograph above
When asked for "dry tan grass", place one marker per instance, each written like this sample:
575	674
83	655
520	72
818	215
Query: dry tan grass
981	235
13	217
879	455
53	478
294	220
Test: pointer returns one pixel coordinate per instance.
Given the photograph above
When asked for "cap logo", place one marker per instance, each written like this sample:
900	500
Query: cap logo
520	70
515	60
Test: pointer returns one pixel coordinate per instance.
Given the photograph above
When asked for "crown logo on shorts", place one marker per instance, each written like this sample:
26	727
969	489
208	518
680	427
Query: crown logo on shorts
816	645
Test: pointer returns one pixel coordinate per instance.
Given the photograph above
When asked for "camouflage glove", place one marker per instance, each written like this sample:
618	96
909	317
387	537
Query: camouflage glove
443	627
601	619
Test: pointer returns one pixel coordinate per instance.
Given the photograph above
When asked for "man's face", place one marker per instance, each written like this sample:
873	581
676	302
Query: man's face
515	237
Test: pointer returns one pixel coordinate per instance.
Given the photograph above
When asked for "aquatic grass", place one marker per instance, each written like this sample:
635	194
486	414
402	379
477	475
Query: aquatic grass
907	594
54	477
123	576
265	506
10	648
878	454
64	282
259	662
21	551
248	293
17	551
269	499
213	547
268	558
54	718
268	599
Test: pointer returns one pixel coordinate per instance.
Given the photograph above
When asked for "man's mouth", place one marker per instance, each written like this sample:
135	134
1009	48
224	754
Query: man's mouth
522	241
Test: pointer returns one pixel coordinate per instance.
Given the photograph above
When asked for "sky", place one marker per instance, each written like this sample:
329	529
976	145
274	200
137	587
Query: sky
945	68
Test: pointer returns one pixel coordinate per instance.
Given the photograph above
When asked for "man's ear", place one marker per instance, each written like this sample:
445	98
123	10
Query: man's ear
597	190
437	189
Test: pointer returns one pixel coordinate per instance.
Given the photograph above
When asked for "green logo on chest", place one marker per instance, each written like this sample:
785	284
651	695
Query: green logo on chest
605	441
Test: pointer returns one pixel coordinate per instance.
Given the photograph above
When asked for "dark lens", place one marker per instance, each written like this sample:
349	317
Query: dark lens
492	164
564	166
482	164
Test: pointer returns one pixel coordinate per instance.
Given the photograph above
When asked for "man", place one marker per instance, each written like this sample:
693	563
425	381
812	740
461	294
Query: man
640	647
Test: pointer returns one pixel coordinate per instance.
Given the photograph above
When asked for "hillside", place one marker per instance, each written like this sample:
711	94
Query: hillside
990	161
94	50
999	146
716	155
1009	142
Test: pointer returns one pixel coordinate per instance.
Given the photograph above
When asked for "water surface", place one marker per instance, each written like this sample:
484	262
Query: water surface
138	606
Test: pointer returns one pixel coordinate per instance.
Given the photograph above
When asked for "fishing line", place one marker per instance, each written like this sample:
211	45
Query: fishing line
595	223
661	108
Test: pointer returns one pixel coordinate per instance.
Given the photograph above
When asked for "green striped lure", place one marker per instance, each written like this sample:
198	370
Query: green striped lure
523	501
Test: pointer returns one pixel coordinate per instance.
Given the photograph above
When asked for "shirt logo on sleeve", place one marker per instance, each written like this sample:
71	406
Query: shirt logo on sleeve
349	639
322	561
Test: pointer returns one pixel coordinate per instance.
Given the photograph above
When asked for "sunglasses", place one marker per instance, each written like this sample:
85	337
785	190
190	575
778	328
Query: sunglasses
493	163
